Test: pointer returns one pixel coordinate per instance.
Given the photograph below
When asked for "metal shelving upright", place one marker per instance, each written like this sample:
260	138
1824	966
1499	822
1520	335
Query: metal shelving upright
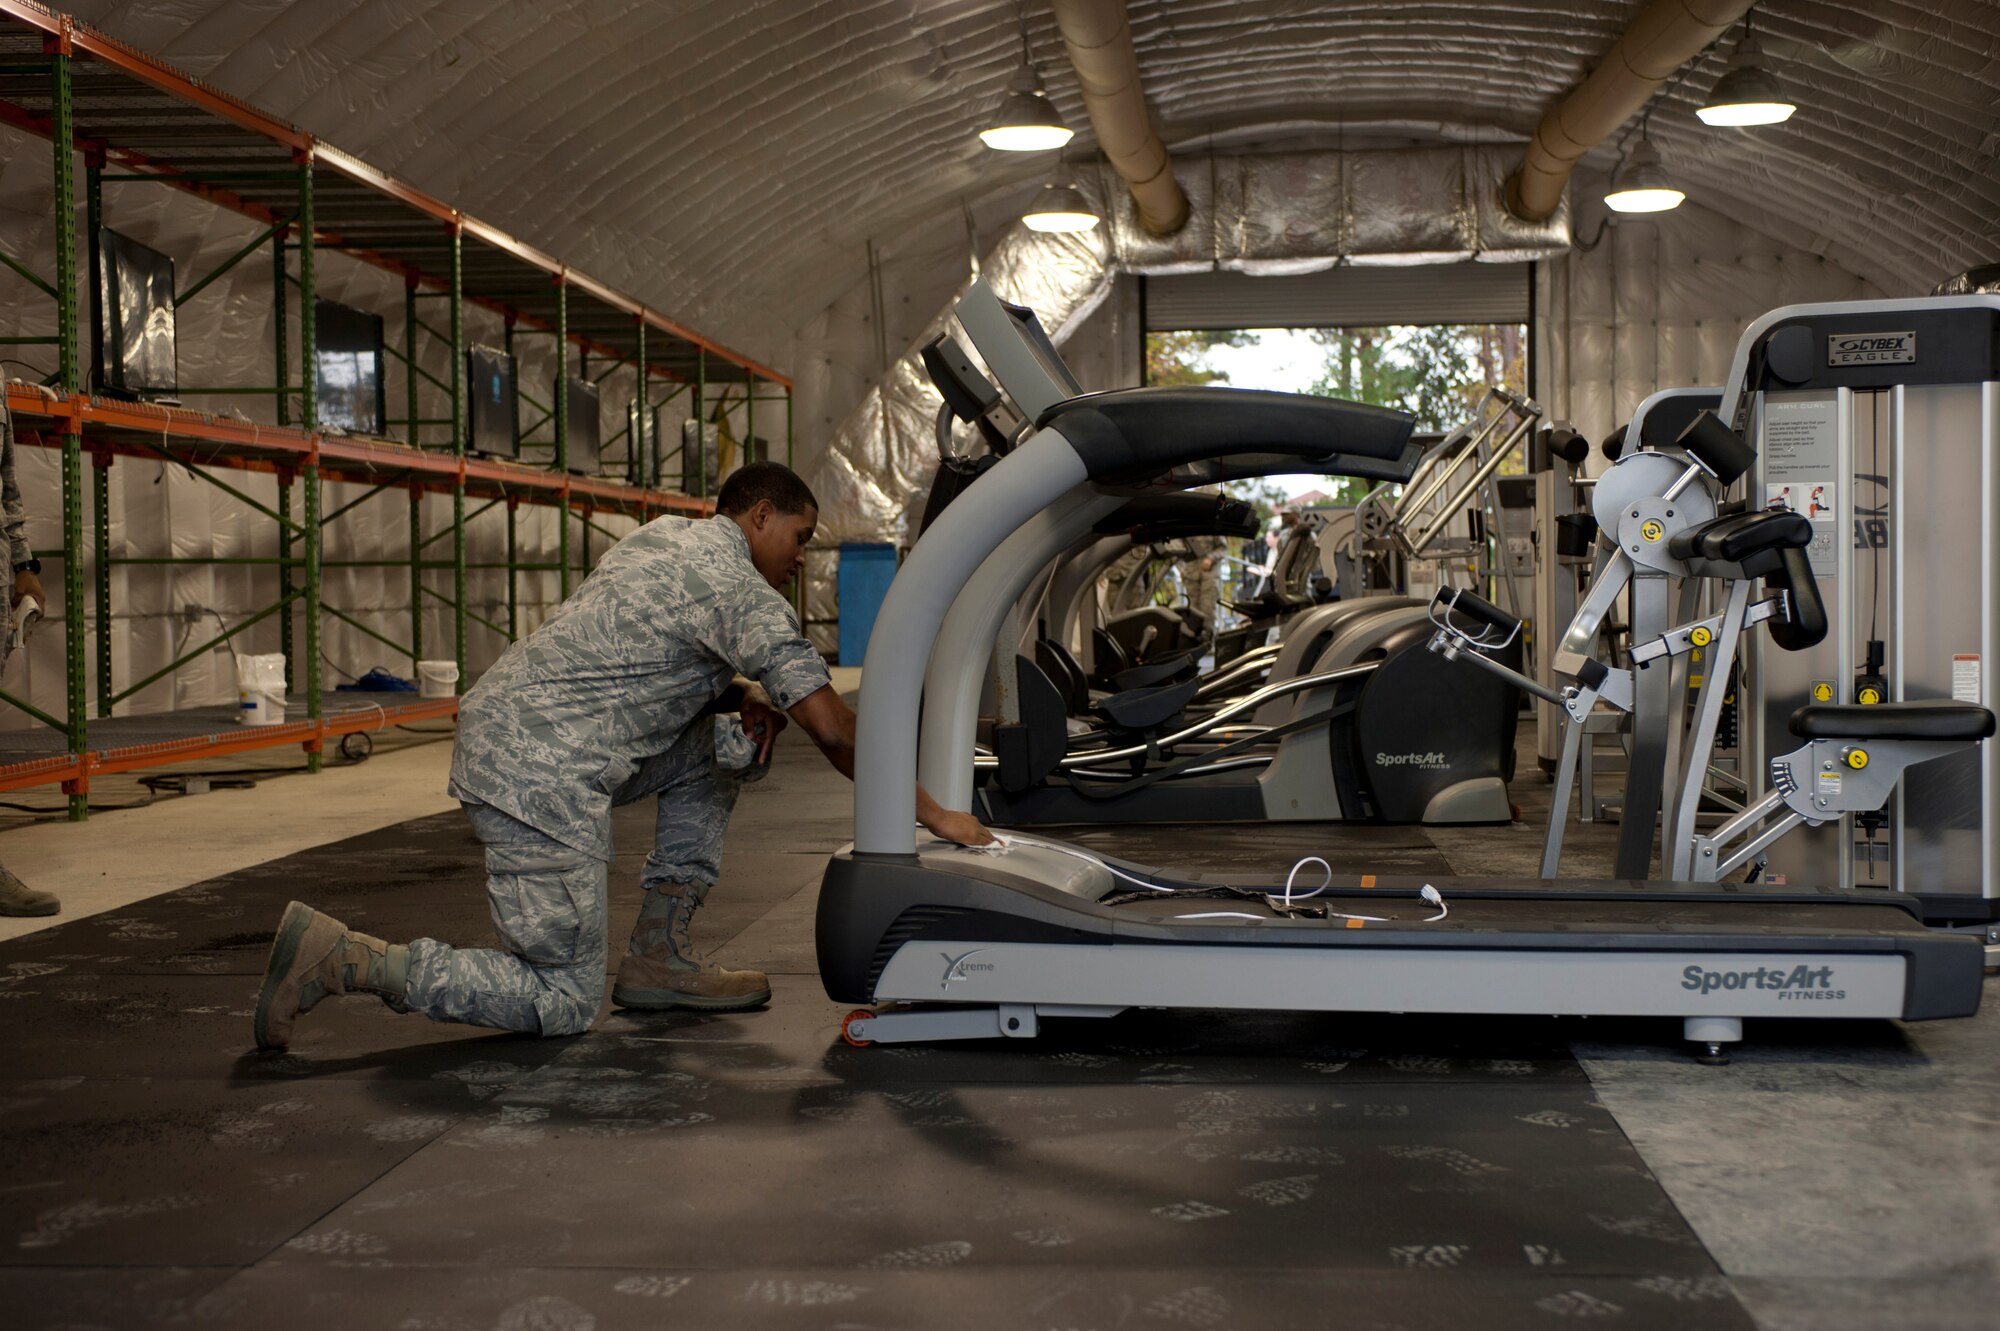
132	119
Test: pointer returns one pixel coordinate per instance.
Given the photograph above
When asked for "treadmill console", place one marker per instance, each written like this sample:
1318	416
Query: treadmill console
1017	348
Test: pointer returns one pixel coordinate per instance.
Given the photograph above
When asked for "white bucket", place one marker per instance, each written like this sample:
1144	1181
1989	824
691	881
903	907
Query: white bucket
260	689
437	679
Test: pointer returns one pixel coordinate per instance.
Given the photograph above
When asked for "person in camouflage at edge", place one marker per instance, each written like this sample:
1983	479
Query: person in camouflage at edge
617	697
16	897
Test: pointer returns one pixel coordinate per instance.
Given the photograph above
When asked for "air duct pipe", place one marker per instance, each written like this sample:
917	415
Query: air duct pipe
1666	35
1098	34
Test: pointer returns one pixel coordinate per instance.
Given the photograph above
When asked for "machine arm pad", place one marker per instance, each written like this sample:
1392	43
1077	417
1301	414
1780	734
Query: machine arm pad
1717	447
1804	623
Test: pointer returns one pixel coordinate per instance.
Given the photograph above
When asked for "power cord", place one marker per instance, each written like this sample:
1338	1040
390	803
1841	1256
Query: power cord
1282	901
227	641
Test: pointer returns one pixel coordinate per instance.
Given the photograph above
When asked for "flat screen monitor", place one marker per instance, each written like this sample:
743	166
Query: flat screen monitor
584	431
494	412
347	367
135	319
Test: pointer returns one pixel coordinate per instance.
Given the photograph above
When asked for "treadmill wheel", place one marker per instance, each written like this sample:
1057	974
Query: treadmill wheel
858	1014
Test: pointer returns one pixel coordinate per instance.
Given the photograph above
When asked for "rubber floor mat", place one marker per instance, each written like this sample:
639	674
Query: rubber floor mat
1166	1170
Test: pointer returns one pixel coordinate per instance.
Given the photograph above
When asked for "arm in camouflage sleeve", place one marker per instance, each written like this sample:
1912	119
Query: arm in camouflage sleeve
14	521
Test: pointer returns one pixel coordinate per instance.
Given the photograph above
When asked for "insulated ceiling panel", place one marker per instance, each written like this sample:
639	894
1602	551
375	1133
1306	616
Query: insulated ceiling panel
730	160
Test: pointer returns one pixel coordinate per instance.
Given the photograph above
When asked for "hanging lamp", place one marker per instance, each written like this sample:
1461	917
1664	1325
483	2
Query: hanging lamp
1026	120
1746	94
1060	206
1641	184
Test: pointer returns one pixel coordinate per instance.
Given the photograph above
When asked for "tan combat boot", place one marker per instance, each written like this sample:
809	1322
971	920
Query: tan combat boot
315	955
17	898
662	970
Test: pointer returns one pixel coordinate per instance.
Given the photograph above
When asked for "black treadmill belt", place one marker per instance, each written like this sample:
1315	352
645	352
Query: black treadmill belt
1156	1170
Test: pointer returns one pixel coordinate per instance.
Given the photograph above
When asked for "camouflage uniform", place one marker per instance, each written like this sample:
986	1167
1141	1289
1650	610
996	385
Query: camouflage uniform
13	521
605	704
1201	583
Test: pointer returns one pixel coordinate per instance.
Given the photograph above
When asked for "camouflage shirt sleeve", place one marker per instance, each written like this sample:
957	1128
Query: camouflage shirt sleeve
13	512
760	639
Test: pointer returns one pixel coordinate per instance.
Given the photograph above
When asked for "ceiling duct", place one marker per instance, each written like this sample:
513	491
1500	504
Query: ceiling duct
1098	35
1273	214
1665	35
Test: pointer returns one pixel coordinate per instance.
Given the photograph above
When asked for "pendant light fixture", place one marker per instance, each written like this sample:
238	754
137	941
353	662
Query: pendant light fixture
1746	94
1641	184
1026	120
1060	206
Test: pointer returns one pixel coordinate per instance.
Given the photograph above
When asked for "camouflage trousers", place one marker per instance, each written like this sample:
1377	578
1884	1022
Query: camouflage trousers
548	899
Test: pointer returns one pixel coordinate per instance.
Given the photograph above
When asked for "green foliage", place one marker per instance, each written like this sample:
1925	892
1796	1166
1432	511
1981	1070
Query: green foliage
1178	360
1360	366
1437	373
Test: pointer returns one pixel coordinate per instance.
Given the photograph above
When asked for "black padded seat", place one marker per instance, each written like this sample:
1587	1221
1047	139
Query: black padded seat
1145	709
1894	720
1154	673
1736	537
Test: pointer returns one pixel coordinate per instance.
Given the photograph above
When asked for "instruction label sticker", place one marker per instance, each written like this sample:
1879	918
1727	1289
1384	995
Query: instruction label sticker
1814	500
1822	690
1801	452
1965	677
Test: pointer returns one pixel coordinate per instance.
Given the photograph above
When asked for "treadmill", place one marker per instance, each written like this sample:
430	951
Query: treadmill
960	943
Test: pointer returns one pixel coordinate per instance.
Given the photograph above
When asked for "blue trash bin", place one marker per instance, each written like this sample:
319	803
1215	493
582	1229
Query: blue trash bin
866	570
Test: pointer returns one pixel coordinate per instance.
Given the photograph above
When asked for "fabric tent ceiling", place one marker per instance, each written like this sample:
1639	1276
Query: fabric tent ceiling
729	160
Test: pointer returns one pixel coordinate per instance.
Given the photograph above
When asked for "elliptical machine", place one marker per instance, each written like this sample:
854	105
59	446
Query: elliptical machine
1372	729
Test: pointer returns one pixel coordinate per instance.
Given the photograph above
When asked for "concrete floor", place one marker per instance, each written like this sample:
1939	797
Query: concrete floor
1844	1176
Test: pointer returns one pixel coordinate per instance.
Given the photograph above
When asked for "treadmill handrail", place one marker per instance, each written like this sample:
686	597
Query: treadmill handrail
1137	434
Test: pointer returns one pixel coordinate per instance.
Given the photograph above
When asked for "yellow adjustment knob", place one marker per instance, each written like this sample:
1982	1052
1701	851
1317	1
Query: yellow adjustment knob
1870	696
1653	529
1701	637
1857	758
1822	693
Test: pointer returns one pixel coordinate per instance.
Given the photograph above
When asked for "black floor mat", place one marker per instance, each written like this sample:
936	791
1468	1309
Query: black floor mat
1156	1170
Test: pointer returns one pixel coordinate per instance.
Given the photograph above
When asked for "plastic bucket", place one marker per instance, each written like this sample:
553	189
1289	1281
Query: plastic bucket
437	679
260	689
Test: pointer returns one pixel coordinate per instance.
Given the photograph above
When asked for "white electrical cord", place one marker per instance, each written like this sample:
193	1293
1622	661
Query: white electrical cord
1293	875
1002	843
1286	901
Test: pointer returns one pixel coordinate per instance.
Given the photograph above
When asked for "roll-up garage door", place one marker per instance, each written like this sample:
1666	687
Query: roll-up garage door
1463	293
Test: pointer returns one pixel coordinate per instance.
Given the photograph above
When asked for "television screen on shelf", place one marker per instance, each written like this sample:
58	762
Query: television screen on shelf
585	428
347	363
135	319
493	416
